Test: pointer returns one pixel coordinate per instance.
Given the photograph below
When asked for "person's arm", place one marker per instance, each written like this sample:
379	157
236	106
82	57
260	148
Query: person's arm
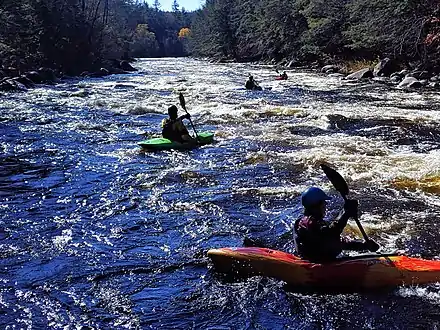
350	211
186	116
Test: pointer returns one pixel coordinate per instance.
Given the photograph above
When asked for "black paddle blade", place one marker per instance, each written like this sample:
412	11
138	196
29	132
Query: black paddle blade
336	179
182	101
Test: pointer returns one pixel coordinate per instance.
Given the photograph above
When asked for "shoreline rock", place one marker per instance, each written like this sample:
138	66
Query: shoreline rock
11	80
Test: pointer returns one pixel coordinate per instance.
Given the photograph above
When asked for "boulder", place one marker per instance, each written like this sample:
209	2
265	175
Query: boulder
385	67
124	65
116	71
419	74
24	80
330	69
410	82
336	75
11	85
361	74
293	64
382	80
48	75
404	72
100	73
396	78
34	76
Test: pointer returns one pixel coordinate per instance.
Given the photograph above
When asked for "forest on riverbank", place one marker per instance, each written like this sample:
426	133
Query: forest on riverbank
303	31
72	36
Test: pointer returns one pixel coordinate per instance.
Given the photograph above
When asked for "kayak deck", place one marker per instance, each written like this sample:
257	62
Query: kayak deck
362	272
165	144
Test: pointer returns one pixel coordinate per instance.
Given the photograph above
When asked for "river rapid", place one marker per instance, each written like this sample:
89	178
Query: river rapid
95	234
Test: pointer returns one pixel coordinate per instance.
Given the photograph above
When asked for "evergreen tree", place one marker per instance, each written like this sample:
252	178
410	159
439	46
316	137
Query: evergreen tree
175	6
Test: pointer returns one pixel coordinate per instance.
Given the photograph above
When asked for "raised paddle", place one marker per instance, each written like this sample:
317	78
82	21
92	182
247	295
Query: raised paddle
342	187
183	105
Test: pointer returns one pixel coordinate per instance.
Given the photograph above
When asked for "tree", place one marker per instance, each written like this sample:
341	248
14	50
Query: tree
156	5
175	6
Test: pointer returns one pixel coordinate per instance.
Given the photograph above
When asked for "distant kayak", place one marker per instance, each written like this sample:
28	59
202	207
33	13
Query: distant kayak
280	78
352	273
165	144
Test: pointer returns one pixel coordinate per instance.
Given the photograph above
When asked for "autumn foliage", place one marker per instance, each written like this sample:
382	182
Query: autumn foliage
184	33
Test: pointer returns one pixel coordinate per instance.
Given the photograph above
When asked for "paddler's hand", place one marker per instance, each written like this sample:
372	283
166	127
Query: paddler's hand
351	208
187	116
372	246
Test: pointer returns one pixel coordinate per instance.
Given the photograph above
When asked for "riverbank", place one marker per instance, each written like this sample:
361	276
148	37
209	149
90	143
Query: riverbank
385	71
13	79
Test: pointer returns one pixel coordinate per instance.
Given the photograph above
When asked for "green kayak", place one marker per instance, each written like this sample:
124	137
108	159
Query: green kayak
165	144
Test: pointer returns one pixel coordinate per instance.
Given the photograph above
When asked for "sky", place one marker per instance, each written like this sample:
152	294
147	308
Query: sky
188	4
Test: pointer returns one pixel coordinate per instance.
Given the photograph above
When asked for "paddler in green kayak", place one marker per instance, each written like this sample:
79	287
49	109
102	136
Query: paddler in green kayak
318	240
173	128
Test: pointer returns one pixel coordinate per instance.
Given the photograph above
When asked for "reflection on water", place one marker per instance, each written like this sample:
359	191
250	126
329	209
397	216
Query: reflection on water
96	234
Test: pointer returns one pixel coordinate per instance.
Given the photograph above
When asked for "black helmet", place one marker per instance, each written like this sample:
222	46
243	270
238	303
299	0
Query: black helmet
172	110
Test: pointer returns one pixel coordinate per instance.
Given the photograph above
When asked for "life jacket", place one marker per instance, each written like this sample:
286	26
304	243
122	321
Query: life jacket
173	129
316	239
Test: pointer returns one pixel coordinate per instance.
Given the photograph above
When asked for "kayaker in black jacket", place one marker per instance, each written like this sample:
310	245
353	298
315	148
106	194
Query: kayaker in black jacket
320	241
173	128
251	84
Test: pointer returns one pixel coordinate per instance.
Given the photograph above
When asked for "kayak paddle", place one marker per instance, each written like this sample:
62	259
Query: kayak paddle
183	105
342	187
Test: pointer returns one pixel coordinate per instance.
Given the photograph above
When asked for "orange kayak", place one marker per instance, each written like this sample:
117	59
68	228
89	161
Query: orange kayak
361	272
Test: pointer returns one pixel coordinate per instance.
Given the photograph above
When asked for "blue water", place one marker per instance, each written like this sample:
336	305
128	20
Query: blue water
96	234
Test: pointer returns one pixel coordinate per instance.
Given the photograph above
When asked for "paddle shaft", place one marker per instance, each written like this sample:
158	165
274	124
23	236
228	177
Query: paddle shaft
182	103
356	219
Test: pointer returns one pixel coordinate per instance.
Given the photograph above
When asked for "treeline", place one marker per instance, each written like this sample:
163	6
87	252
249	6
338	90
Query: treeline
311	30
76	35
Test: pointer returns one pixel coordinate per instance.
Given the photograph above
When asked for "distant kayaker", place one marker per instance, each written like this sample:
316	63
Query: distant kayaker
320	241
173	128
283	76
251	84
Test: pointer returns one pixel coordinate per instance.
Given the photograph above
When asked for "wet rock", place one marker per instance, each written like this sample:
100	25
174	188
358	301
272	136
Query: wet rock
124	65
24	80
116	71
410	82
361	74
293	64
336	75
397	74
382	80
403	72
11	85
330	69
99	74
385	67
80	93
48	75
396	78
34	76
419	74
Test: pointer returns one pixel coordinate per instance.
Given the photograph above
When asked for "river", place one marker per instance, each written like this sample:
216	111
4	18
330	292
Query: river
95	234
